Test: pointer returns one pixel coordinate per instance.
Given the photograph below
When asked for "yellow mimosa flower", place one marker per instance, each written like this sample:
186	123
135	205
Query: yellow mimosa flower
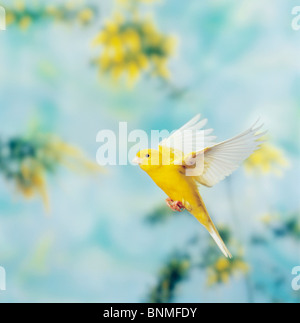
10	18
25	16
212	278
105	60
136	46
133	71
117	71
19	5
225	277
70	5
112	27
100	39
25	22
222	264
241	265
268	159
132	40
85	15
34	157
143	61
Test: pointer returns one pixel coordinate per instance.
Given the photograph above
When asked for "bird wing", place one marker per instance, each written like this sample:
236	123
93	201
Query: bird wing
190	137
213	164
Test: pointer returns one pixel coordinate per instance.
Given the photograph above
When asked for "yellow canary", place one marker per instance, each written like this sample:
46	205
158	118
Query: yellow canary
189	157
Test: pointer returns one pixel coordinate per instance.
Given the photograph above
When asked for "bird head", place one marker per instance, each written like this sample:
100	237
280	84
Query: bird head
148	159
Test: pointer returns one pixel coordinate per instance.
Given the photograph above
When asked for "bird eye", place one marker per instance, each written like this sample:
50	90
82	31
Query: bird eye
147	156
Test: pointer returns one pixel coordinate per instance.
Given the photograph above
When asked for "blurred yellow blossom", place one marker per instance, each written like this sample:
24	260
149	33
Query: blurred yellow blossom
52	11
25	15
268	159
10	18
85	15
27	161
131	47
170	276
31	180
222	264
222	269
133	3
283	225
19	5
70	4
25	22
219	269
268	218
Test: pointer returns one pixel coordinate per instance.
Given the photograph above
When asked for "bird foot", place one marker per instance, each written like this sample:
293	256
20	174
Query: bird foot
176	206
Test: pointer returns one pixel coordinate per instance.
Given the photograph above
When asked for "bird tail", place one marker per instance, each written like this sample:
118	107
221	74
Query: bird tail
219	241
203	217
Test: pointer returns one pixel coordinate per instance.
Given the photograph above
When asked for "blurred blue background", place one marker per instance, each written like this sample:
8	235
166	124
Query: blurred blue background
233	62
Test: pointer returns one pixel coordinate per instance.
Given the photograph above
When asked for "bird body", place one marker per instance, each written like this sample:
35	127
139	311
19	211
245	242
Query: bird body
179	172
172	180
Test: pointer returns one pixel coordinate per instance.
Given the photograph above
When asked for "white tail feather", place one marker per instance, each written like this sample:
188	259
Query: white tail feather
215	235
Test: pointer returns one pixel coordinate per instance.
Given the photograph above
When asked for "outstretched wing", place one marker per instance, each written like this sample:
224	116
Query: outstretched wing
213	164
190	137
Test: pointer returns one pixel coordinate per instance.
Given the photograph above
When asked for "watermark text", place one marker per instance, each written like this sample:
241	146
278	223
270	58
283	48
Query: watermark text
296	19
2	18
2	279
123	147
296	280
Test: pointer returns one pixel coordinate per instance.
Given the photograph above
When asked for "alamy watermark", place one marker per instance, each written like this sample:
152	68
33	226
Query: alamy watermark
2	18
122	148
2	279
296	279
296	19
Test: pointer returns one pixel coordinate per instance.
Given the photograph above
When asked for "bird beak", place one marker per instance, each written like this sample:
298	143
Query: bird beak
137	160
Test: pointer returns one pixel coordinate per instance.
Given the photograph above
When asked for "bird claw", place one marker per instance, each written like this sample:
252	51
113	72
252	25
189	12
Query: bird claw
176	206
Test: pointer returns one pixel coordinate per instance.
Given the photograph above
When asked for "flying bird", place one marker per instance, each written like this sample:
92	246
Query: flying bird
189	158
